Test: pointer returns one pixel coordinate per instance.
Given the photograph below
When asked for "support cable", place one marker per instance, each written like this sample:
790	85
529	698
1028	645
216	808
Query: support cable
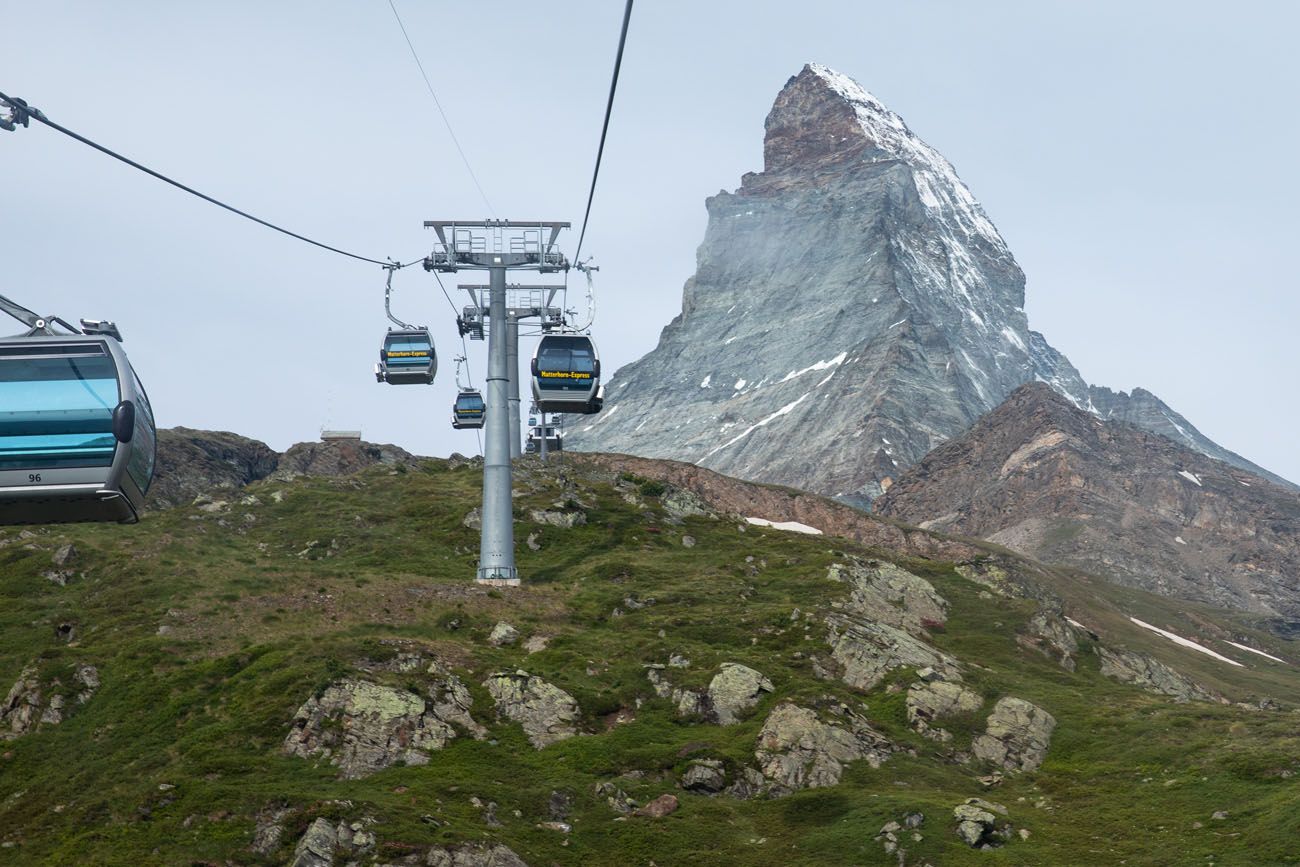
428	84
609	109
37	115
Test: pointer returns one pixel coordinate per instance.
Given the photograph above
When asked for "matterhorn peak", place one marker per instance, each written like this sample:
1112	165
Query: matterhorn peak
823	121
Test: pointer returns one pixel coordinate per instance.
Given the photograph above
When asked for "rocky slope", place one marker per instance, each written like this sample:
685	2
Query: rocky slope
1047	479
853	307
304	673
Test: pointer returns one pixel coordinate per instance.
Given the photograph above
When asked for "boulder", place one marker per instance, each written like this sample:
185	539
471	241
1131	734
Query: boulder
735	688
704	775
566	519
977	823
796	750
930	701
364	727
1048	633
658	808
546	712
1017	737
503	633
867	651
65	555
316	848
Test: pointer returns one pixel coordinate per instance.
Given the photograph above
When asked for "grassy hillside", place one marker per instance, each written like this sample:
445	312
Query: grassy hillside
210	625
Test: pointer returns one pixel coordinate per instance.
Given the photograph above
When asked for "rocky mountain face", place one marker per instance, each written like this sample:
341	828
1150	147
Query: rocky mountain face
198	462
853	308
1042	477
193	462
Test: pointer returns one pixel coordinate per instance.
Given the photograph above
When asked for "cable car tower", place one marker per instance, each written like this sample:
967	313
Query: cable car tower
497	246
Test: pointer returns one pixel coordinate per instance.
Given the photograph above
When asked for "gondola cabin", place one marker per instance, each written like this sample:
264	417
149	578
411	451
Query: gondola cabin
77	435
554	439
407	357
566	374
469	410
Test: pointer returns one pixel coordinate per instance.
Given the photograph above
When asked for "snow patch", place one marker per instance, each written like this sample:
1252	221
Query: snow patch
1260	652
1014	339
740	383
1180	540
1191	477
1185	642
821	365
1076	624
790	526
604	417
704	383
896	324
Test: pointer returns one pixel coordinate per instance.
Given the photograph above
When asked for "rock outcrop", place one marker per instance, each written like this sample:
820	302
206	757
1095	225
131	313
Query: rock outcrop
33	702
931	701
867	651
339	458
902	314
1046	479
891	595
1129	666
735	689
364	727
547	713
797	750
198	462
1018	735
474	855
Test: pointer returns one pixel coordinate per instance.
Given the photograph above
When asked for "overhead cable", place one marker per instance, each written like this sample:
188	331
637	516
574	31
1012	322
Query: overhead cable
36	115
609	109
428	84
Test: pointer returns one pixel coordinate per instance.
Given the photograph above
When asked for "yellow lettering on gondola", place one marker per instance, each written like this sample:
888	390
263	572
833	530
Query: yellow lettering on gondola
563	374
408	355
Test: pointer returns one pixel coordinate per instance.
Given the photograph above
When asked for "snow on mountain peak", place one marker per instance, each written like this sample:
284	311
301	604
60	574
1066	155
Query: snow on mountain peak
936	181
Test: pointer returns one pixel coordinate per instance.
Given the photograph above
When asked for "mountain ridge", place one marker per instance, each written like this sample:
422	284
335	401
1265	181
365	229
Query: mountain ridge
1056	483
852	298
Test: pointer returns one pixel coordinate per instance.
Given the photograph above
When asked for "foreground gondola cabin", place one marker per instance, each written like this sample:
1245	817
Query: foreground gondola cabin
566	374
77	434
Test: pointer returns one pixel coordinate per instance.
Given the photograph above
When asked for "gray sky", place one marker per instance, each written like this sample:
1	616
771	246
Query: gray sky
1138	158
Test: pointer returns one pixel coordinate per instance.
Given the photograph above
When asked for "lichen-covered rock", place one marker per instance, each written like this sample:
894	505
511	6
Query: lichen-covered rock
867	651
930	701
1128	666
680	503
705	775
566	519
796	750
889	594
1049	634
977	823
316	848
735	688
546	712
474	855
364	727
503	633
1017	737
